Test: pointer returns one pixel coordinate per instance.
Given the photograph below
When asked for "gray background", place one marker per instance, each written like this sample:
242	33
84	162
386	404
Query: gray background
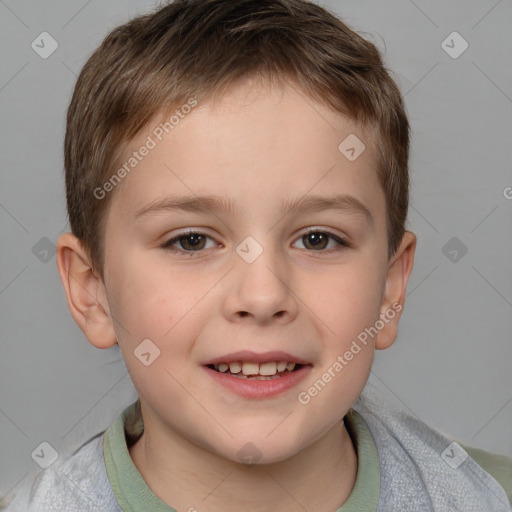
451	363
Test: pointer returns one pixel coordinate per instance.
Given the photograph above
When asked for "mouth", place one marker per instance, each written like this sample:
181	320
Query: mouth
256	371
258	376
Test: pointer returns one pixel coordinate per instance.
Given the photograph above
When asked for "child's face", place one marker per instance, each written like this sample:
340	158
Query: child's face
307	296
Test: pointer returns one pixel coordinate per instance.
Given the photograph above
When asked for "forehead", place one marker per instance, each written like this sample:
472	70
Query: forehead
256	142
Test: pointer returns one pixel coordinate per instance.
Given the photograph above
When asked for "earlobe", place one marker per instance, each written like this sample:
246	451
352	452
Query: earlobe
393	300
82	287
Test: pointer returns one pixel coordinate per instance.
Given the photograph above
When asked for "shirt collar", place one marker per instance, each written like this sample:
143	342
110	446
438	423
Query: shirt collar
133	494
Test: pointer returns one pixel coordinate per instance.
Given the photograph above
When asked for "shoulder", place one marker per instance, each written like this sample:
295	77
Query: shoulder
421	465
498	466
78	483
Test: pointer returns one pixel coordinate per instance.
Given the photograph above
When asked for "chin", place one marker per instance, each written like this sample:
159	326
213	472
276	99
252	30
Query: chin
260	450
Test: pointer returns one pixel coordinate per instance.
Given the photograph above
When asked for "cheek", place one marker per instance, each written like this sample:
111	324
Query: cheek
153	302
349	308
150	298
347	301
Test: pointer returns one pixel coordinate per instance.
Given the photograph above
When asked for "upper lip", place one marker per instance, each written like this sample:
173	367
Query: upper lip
247	356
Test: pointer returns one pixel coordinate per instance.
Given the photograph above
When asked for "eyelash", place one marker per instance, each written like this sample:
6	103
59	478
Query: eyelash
343	244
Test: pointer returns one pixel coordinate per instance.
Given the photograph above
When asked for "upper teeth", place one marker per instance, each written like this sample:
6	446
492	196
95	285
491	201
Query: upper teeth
270	368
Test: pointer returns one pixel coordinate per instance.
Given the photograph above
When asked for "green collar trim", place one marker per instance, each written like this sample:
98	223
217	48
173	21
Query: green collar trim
133	494
366	491
130	489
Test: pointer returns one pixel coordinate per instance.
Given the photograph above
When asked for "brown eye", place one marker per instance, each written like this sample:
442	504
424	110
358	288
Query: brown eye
316	240
192	241
187	242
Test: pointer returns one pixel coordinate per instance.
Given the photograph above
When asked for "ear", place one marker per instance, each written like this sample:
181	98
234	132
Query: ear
393	300
85	292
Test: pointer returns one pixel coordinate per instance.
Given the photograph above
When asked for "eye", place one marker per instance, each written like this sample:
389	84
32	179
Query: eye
194	241
190	242
318	240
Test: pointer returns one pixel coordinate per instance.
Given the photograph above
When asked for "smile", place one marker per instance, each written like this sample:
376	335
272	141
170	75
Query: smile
257	386
261	371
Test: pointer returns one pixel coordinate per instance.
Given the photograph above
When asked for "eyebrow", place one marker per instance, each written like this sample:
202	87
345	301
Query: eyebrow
212	203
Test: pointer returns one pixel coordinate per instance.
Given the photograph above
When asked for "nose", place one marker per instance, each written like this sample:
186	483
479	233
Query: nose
260	290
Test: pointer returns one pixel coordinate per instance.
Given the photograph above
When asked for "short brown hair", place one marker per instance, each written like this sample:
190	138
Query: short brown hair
197	48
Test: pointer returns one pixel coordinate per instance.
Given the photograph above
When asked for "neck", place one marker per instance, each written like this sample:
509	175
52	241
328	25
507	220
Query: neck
186	477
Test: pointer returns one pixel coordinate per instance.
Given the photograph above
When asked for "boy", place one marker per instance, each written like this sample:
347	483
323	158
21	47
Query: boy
237	187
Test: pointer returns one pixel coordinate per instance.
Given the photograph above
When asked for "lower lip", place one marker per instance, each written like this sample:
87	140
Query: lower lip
255	388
